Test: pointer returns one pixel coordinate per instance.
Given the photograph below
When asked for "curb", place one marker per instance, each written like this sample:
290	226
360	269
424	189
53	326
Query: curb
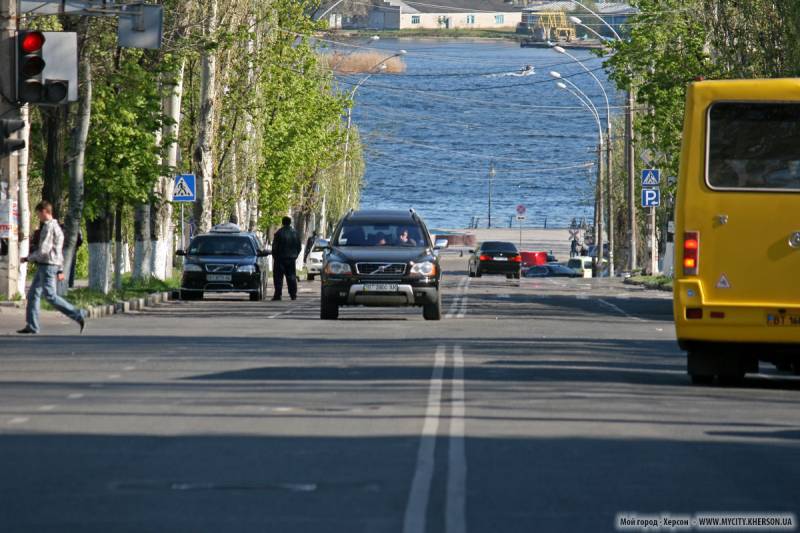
646	285
135	304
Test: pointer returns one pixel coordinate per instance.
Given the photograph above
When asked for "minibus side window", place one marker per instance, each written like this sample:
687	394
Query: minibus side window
753	146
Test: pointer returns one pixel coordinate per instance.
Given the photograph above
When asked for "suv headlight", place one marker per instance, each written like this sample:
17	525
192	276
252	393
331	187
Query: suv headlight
191	267
426	268
247	269
337	269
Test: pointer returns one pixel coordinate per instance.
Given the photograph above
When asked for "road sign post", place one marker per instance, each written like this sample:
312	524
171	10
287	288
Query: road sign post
651	198
184	191
520	219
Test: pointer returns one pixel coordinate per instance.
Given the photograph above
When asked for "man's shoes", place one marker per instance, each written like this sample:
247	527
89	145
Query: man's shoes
82	323
294	297
26	330
276	298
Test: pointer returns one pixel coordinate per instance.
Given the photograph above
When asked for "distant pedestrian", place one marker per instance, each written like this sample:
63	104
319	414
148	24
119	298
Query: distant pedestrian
573	248
584	251
309	245
285	249
49	260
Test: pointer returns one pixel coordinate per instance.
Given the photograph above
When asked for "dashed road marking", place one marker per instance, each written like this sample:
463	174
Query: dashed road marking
620	310
74	396
47	407
19	420
114	376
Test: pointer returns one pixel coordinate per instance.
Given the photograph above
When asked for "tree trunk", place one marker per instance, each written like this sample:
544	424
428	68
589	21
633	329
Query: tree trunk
53	129
119	256
203	153
141	246
98	235
72	225
161	227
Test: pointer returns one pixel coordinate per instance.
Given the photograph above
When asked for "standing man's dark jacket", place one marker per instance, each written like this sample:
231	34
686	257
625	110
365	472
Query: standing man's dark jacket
286	244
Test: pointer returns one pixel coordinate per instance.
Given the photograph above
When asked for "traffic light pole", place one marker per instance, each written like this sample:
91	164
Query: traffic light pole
9	262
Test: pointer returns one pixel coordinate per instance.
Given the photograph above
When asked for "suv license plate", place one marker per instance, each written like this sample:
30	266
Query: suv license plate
785	319
380	287
217	277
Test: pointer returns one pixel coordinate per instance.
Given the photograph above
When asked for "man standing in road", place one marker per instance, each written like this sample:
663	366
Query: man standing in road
285	249
49	259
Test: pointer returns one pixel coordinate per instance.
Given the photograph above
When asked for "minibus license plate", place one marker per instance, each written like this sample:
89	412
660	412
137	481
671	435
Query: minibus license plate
218	277
784	319
380	287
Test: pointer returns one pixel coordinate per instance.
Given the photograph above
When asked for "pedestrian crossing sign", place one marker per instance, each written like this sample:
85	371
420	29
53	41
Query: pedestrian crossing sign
651	177
184	190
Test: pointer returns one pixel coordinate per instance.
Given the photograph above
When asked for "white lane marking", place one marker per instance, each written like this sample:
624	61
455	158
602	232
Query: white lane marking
129	368
74	396
504	296
415	518
619	310
459	300
114	376
463	310
46	407
291	310
19	420
456	500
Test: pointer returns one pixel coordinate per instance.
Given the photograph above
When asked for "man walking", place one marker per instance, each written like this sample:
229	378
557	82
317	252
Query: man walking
49	259
285	249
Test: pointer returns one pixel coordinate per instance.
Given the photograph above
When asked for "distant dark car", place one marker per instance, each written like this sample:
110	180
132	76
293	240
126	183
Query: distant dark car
224	260
551	270
384	259
495	257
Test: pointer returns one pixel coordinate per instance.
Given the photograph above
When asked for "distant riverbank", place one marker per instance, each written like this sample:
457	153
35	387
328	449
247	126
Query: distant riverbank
435	34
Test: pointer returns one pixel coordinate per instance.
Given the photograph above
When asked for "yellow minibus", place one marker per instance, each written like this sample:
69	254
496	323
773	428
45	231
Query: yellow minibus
737	240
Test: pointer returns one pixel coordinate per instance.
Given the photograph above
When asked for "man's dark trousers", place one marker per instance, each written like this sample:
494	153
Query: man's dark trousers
285	267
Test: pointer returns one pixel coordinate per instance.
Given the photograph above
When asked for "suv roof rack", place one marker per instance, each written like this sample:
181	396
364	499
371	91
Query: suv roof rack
228	227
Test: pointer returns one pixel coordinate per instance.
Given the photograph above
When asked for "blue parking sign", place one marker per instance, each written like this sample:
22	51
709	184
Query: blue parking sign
651	197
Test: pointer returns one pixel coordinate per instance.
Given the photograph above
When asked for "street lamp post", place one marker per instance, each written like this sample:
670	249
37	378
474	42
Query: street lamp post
492	174
609	160
629	153
380	66
569	86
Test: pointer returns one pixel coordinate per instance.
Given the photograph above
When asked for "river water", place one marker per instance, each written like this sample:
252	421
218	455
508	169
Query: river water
431	133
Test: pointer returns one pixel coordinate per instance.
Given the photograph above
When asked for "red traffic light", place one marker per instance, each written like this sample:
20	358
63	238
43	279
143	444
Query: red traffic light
32	41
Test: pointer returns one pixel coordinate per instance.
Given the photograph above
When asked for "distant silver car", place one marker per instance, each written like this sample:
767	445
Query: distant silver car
314	259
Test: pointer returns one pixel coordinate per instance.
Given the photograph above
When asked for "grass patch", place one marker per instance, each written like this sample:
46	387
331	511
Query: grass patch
662	283
131	288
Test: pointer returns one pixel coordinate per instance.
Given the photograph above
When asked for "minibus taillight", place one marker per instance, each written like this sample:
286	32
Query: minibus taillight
691	253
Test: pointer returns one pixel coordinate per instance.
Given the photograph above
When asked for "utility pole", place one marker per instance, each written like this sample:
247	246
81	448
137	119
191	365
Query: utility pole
630	160
610	194
9	263
491	183
598	229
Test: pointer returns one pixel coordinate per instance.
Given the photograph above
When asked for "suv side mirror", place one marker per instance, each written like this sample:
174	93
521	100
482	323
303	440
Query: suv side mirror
263	253
180	253
471	251
440	244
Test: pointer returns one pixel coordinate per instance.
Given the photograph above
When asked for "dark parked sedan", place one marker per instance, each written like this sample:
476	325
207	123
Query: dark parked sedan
551	271
495	257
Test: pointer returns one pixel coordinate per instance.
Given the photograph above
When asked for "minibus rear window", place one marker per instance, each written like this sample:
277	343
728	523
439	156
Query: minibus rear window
753	145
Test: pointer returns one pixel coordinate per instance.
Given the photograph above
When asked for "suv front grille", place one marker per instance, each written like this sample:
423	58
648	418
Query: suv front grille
219	269
381	268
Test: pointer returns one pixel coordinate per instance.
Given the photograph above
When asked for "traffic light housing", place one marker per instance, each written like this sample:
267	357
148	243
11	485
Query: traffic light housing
33	85
8	126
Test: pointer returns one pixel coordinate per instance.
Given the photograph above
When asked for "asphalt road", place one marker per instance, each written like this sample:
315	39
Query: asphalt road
538	406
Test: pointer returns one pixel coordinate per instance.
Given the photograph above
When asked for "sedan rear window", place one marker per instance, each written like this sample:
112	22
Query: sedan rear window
498	246
754	145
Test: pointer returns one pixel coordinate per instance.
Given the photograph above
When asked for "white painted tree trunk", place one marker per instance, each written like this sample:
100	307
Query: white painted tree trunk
163	229
24	217
203	156
100	266
141	246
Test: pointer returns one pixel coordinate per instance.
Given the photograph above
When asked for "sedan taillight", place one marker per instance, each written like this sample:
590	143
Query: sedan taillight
485	258
516	259
691	253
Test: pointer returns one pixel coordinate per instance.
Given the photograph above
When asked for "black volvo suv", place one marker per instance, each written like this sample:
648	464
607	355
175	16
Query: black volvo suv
381	258
225	259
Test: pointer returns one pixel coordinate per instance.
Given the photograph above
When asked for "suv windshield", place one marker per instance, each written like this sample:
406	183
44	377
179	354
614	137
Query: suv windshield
754	146
231	246
354	233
